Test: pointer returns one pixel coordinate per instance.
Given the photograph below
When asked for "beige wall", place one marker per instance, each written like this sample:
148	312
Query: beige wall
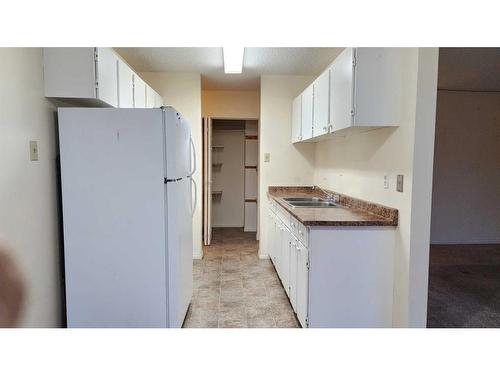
183	91
28	189
231	104
356	166
289	164
228	209
466	199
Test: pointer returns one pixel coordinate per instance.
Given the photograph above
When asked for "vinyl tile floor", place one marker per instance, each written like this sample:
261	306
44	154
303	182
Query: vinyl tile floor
233	288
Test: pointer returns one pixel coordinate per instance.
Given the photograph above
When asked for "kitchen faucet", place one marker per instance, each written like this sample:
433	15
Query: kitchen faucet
330	197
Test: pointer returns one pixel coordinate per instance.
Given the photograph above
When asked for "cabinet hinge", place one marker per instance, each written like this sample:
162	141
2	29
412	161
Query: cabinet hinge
353	61
308	264
353	111
307	322
96	55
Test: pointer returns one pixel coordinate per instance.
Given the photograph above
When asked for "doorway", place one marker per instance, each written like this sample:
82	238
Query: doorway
464	262
230	175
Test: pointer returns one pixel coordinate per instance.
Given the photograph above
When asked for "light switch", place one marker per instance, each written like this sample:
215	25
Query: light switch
33	150
386	182
267	157
399	183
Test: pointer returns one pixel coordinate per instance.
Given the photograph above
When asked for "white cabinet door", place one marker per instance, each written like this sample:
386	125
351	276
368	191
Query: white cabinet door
106	77
125	86
342	90
297	119
379	77
285	259
150	97
69	73
278	237
321	104
139	92
158	100
293	273
302	284
307	113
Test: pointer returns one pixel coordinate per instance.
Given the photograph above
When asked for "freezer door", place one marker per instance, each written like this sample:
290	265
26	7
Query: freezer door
113	198
180	250
178	144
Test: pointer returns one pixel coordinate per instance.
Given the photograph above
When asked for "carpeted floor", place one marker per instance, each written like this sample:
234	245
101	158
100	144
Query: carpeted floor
464	286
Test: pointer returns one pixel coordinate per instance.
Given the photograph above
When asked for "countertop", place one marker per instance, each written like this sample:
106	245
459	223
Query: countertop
353	211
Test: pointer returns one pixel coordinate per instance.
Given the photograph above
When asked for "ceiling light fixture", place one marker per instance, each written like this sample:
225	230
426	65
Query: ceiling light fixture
233	59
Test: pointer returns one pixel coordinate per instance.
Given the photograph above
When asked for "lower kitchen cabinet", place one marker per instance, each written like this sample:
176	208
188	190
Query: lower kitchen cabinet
334	276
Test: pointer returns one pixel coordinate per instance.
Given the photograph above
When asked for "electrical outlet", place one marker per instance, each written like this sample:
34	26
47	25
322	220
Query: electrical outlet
33	150
386	182
267	157
399	184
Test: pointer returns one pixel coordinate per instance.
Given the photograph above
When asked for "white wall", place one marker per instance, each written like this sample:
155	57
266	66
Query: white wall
466	198
356	166
231	104
28	193
228	209
183	91
289	164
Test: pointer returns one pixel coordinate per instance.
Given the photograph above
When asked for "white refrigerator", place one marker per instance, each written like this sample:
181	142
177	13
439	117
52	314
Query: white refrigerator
128	197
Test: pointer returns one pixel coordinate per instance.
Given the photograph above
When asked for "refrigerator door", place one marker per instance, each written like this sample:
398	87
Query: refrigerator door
178	144
180	250
113	197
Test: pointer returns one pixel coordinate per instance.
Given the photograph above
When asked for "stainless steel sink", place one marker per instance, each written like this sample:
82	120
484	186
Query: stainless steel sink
303	199
314	204
309	202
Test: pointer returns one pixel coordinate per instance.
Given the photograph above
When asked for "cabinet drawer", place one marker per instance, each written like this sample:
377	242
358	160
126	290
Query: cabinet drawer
303	234
294	224
284	216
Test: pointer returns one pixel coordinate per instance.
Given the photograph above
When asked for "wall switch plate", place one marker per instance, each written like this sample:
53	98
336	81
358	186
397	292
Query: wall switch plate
386	182
399	184
33	150
267	157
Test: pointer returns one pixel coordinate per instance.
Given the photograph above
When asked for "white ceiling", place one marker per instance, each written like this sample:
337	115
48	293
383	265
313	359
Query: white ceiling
474	69
208	61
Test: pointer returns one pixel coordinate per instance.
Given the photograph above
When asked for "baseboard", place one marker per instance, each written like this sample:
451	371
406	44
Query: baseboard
197	256
468	242
228	226
263	256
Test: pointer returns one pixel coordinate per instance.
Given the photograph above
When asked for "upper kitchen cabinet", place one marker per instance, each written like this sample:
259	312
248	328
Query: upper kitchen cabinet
365	89
307	113
297	119
139	92
321	104
81	75
125	85
150	97
153	99
158	100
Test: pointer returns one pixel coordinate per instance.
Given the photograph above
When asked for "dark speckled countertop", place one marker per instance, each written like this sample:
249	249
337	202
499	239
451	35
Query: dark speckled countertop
354	212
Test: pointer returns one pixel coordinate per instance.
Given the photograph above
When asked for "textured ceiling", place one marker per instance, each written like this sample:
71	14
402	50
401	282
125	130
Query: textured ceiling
474	69
209	63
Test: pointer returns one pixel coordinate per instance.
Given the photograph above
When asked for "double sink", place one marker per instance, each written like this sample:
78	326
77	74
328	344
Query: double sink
310	202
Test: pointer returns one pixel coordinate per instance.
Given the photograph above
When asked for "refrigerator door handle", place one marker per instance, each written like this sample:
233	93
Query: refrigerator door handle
193	204
191	143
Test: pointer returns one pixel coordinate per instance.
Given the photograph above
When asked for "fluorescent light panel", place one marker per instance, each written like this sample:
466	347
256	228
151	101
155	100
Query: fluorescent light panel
233	59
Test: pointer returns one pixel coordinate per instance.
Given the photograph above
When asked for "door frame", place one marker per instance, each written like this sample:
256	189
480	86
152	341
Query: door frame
206	231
